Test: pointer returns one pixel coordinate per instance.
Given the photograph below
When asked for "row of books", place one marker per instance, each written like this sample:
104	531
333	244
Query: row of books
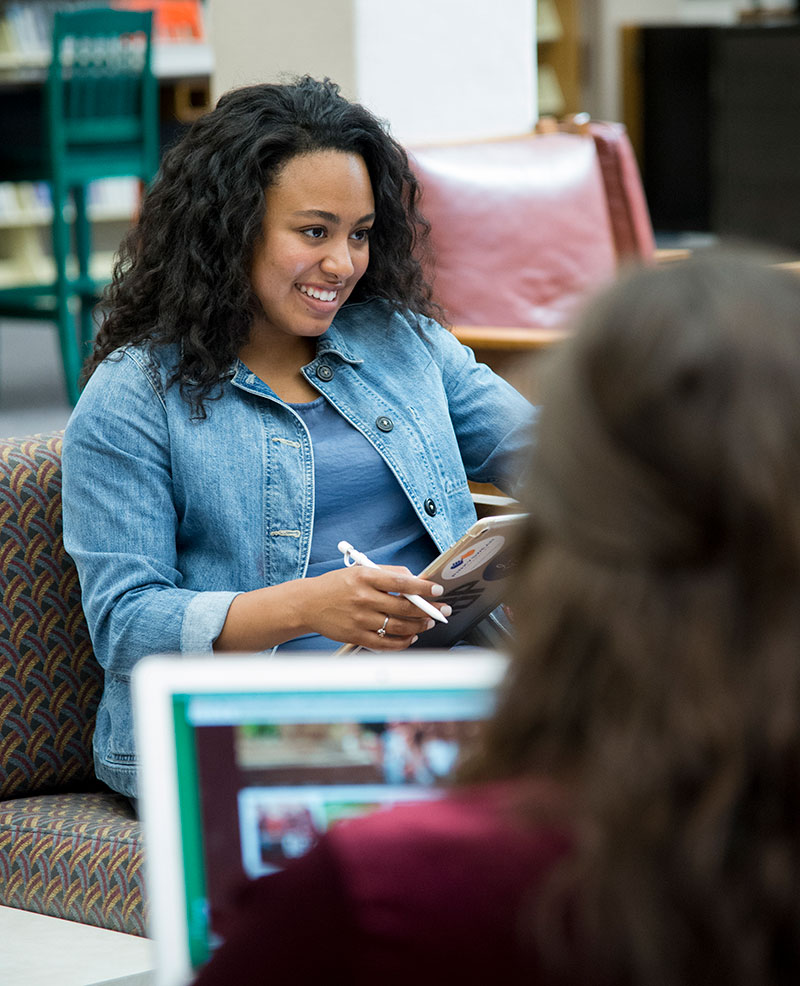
174	21
30	203
30	264
26	27
25	214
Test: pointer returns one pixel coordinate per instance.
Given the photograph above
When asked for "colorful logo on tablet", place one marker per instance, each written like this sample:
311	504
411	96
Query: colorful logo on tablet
501	565
474	557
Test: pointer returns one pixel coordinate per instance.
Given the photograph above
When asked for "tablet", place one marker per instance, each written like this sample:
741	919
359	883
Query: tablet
474	573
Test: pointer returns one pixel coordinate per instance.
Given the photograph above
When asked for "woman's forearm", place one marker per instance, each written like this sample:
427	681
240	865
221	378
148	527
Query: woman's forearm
350	605
263	618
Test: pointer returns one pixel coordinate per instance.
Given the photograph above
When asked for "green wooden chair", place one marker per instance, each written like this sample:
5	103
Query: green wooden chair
100	120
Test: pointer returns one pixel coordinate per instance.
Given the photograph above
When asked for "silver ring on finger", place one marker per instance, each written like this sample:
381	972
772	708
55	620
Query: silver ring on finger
382	631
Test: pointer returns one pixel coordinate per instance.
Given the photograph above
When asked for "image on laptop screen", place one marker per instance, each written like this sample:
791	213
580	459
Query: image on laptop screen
269	754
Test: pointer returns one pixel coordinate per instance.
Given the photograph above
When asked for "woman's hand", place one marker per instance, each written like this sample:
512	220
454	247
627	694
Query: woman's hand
349	604
352	605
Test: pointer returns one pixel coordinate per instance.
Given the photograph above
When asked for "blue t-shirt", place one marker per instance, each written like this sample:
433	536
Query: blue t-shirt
356	499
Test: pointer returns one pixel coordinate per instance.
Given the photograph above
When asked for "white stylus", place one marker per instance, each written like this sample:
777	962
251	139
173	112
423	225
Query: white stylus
353	557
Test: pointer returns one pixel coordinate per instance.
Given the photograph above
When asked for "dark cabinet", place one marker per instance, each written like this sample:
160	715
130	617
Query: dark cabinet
720	129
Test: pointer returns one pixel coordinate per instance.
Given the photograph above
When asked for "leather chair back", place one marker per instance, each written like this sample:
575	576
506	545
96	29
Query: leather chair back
523	229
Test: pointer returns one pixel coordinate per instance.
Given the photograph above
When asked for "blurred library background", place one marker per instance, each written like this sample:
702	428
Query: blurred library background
709	91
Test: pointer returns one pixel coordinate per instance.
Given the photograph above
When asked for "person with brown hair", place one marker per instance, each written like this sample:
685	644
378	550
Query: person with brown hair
631	813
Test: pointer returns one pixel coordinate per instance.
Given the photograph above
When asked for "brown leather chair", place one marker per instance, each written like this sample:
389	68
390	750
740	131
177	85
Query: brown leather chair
627	206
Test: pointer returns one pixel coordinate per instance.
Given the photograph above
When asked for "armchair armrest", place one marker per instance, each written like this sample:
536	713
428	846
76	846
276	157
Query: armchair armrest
512	338
491	504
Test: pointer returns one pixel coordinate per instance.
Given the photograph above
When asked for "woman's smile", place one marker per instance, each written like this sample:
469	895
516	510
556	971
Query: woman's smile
319	294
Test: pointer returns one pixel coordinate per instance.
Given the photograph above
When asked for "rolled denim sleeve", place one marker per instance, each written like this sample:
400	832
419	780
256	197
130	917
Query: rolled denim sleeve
493	422
121	522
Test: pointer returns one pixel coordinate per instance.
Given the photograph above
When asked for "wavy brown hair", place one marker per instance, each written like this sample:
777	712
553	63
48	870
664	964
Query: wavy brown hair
183	271
657	669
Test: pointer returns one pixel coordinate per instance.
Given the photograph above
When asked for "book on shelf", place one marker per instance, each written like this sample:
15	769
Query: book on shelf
30	203
551	96
22	259
174	21
31	265
548	22
26	29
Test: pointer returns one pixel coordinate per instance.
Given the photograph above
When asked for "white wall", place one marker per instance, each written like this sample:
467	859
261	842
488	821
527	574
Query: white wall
448	69
711	11
267	40
436	69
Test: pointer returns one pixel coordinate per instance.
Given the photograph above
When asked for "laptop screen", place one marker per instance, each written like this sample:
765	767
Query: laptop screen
268	754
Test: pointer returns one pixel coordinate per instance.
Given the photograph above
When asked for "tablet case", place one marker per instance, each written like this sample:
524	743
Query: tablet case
474	573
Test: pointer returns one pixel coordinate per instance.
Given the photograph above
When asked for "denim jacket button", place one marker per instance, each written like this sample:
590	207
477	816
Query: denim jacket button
324	372
384	423
430	507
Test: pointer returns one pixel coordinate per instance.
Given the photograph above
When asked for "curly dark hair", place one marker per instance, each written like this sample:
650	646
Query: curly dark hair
182	274
656	668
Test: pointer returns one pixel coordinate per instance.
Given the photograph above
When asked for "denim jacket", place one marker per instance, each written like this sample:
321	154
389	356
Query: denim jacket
169	517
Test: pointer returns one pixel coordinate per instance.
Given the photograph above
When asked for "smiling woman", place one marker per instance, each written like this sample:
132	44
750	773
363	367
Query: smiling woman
270	379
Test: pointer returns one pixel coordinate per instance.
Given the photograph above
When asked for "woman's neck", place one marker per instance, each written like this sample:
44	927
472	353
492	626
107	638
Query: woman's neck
278	362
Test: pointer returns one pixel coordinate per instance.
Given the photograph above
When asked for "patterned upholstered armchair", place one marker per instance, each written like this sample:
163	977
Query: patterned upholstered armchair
69	846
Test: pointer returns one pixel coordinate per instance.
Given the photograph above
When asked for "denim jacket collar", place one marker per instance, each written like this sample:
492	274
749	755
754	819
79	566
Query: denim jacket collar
332	343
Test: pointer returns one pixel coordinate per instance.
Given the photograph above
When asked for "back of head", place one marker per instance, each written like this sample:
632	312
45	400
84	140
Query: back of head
669	434
658	622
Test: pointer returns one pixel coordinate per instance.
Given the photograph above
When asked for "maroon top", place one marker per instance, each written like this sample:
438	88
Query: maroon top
425	893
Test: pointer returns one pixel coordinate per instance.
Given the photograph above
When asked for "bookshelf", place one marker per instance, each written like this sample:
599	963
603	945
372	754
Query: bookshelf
181	44
558	57
25	215
182	62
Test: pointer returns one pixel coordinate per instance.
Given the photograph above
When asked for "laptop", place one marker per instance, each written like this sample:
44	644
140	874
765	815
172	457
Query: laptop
245	760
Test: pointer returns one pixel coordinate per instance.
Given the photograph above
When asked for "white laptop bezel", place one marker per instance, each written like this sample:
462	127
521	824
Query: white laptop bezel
156	679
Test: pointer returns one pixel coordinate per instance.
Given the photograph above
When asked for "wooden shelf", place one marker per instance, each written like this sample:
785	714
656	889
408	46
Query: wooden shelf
558	57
